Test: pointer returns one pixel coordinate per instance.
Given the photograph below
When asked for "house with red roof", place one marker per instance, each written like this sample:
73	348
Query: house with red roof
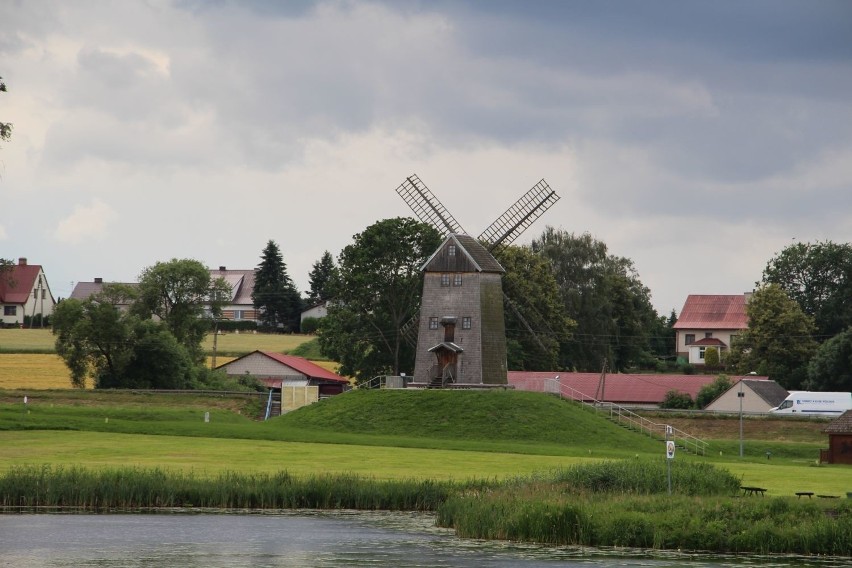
24	291
624	389
296	380
709	321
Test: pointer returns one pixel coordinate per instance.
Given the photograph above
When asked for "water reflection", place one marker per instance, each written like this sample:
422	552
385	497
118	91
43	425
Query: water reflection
298	539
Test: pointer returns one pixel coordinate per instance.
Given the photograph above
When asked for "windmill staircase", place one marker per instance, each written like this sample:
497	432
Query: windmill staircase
628	419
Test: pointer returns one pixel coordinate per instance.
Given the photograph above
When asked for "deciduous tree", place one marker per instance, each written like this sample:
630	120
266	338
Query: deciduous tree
375	292
275	295
778	341
179	292
831	367
709	393
603	294
5	127
531	288
818	276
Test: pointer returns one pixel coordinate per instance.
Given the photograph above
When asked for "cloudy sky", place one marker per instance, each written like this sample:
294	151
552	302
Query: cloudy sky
696	138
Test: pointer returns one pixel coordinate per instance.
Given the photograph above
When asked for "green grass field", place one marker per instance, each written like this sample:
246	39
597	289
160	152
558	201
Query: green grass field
385	434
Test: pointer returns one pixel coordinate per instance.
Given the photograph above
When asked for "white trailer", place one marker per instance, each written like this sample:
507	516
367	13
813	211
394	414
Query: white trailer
806	403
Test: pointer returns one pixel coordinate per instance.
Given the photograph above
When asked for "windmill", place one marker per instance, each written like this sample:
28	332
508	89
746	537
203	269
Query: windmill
463	291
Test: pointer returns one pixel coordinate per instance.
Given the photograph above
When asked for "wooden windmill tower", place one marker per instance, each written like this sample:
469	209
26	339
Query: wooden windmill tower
461	335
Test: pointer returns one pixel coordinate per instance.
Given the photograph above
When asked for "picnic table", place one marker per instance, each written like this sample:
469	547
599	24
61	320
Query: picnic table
801	494
753	490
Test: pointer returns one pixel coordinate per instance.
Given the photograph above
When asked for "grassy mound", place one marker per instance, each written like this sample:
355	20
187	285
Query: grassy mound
473	415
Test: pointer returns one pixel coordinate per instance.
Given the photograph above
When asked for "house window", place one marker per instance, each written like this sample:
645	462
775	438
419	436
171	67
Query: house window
701	352
43	294
238	314
451	250
35	293
445	279
466	322
708	334
457	280
10	310
433	323
689	338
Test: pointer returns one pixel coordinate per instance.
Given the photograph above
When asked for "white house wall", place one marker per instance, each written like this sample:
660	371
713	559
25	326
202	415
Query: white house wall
723	335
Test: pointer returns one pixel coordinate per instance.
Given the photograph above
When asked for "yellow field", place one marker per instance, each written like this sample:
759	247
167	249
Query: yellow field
33	372
231	342
44	371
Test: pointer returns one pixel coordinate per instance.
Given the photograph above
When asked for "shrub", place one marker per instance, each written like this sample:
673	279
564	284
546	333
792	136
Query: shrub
675	399
310	325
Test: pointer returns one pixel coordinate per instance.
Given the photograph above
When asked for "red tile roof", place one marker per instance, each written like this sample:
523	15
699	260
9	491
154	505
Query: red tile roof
713	312
308	368
17	283
619	388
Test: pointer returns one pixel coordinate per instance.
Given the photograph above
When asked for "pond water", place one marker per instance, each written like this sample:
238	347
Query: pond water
299	539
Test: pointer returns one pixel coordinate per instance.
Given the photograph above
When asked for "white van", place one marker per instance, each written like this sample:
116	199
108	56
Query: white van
815	403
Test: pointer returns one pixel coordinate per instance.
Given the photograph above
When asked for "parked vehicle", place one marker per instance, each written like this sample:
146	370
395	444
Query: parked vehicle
815	403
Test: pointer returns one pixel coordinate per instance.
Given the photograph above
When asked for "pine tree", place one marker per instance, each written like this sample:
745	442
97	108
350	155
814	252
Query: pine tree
275	295
320	277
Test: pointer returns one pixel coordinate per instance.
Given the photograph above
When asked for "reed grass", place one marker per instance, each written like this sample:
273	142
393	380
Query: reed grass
620	504
38	487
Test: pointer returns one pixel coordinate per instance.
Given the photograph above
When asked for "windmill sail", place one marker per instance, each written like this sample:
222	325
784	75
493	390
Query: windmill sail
426	206
519	216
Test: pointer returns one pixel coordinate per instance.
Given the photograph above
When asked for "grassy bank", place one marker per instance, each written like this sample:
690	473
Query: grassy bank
625	504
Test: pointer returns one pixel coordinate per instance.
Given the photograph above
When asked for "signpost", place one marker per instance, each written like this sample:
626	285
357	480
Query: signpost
670	454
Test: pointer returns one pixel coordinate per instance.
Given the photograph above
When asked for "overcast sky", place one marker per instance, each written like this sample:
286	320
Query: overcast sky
695	138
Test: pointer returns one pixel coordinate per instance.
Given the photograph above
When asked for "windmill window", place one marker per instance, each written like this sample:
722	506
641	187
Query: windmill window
445	279
10	310
433	323
451	250
457	280
466	322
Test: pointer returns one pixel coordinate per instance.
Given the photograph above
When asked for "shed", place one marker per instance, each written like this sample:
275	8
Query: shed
759	395
296	380
839	440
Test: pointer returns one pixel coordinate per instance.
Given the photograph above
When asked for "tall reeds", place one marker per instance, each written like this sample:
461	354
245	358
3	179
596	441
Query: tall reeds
626	504
134	488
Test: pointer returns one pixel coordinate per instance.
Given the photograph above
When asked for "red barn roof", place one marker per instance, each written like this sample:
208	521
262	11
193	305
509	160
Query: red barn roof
307	368
618	388
713	312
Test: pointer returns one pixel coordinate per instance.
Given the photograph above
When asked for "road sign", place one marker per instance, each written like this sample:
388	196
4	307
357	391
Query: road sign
670	449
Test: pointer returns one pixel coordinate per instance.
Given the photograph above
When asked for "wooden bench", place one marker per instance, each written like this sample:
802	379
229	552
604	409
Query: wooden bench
801	494
828	496
753	490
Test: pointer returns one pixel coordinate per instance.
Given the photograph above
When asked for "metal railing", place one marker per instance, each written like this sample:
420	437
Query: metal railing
627	418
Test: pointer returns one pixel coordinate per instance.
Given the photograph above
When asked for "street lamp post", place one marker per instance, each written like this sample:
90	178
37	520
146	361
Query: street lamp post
741	395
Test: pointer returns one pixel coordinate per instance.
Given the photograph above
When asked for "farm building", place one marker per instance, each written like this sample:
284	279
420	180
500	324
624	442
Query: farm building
759	395
618	388
709	321
839	440
24	292
295	381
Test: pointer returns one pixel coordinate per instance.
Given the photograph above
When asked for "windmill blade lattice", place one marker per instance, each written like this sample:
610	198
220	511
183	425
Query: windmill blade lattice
523	213
426	206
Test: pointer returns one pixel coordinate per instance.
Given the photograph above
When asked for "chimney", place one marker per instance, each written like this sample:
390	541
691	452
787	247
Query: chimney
449	324
99	280
22	261
222	269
